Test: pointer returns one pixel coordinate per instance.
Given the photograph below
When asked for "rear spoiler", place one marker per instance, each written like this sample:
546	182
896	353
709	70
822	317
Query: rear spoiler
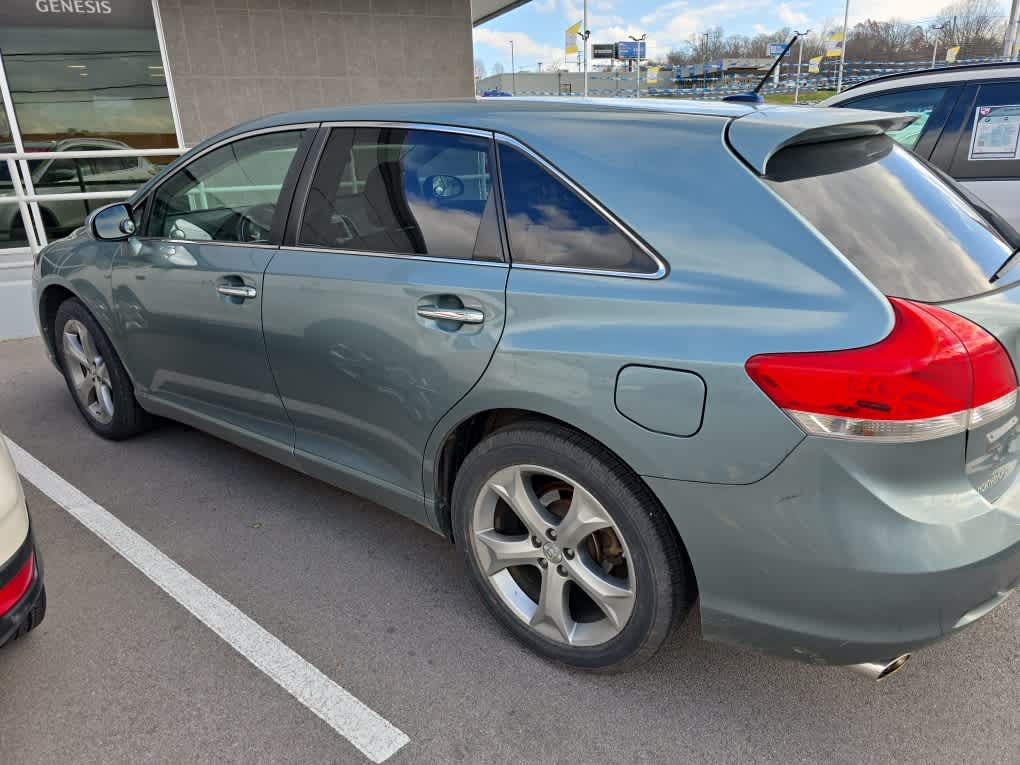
759	135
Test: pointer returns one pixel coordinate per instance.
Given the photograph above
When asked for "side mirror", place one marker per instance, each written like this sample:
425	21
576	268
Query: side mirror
443	186
113	222
59	175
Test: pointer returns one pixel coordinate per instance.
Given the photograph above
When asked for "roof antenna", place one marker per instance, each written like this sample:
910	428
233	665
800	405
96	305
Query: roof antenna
753	96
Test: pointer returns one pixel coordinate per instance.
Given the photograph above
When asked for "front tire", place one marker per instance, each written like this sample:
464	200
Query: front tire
95	376
569	548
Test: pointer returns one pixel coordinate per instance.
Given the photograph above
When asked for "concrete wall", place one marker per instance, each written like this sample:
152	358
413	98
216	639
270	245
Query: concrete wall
233	60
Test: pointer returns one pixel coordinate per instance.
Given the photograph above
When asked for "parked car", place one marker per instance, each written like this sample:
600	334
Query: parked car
967	118
620	374
22	594
63	175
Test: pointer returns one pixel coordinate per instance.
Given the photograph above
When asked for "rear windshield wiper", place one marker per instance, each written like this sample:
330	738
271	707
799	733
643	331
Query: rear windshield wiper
1006	264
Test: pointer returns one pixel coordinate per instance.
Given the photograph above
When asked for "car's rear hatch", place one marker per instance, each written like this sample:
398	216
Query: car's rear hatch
913	233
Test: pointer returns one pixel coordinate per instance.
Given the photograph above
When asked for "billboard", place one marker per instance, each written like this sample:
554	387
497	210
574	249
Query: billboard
603	51
776	49
630	49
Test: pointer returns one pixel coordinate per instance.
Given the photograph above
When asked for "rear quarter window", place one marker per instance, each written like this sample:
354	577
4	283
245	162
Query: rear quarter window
892	216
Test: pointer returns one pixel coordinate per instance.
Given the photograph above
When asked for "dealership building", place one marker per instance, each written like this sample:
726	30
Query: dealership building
97	94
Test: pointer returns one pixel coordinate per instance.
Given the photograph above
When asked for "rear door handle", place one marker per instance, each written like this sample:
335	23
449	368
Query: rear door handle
230	290
461	315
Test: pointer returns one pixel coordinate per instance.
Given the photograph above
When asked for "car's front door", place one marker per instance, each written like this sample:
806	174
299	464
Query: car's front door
188	292
386	303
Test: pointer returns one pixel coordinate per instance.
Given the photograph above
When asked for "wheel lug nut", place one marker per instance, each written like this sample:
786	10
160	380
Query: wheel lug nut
551	533
543	563
561	571
536	542
568	553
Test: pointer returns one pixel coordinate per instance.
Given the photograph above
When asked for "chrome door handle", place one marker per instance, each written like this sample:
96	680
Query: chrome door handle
461	315
235	291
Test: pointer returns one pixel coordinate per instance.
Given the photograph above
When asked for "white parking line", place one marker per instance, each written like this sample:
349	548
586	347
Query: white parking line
375	736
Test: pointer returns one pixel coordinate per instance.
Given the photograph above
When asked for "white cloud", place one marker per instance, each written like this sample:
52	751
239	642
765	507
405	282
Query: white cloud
881	10
791	16
525	46
544	6
761	29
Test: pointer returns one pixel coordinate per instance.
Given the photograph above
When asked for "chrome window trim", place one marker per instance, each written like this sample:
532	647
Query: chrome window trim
436	128
258	245
660	272
393	255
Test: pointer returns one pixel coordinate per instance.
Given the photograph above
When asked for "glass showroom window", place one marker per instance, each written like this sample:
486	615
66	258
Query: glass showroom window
83	75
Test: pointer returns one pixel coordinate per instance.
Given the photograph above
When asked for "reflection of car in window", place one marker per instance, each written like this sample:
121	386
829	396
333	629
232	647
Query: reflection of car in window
949	102
66	175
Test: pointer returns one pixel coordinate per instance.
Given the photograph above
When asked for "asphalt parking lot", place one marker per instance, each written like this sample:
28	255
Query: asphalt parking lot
120	672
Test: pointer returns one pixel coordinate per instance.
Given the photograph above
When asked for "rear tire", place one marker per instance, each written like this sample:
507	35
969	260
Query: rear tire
569	549
95	376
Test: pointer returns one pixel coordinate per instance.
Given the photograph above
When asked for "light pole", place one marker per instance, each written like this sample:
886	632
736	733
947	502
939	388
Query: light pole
638	40
842	47
513	67
935	46
1010	40
800	59
585	36
704	72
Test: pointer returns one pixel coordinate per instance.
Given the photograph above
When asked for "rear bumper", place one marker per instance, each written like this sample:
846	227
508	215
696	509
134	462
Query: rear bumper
827	560
15	616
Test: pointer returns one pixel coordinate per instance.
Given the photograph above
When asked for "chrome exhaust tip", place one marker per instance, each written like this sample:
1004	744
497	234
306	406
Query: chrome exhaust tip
879	670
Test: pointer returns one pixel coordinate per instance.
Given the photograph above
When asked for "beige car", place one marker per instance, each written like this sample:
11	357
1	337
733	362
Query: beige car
22	596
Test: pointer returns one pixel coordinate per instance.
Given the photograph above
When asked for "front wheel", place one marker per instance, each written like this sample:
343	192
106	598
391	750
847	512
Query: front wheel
95	376
570	550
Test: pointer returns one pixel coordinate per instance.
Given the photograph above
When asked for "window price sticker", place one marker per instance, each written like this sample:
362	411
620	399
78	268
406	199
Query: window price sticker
996	133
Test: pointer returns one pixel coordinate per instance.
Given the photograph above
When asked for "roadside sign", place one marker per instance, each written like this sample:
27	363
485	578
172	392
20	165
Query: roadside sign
603	51
776	49
630	49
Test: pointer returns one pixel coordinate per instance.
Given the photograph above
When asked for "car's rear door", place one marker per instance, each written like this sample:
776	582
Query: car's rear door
386	302
980	145
188	291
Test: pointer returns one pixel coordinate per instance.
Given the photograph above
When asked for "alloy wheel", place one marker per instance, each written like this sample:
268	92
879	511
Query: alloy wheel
89	373
553	555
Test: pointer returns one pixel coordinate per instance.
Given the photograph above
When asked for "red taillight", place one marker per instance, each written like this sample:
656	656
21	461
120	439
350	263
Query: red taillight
18	585
934	375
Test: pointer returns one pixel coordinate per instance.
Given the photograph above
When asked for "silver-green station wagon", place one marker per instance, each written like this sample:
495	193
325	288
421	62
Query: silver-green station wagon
628	356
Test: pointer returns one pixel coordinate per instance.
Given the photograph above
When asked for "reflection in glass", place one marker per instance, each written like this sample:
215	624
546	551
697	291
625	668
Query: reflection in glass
227	195
550	225
82	81
413	192
892	217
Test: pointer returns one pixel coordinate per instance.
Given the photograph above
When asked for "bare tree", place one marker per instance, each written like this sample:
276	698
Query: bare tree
479	68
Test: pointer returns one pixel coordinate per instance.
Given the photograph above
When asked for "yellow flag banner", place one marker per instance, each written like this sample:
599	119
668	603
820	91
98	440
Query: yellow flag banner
652	75
951	54
834	45
814	64
570	39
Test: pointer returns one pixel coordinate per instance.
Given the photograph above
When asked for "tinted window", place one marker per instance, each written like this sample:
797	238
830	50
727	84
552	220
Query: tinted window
910	233
919	102
995	151
227	195
412	192
550	225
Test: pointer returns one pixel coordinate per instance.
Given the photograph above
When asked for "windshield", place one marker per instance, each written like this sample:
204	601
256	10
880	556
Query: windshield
907	230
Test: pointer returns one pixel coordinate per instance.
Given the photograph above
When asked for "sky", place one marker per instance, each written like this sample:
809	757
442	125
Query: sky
537	28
